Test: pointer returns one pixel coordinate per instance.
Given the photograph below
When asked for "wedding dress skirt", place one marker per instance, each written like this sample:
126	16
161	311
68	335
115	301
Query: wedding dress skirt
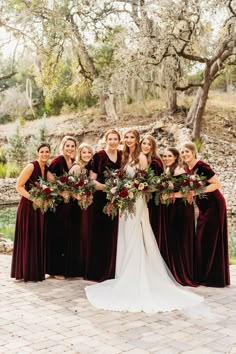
142	282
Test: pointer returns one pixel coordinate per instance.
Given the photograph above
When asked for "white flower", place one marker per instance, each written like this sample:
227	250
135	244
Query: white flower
71	179
113	190
141	186
131	195
44	186
128	185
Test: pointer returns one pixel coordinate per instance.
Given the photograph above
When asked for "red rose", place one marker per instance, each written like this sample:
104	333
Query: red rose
38	185
47	191
63	179
124	193
81	182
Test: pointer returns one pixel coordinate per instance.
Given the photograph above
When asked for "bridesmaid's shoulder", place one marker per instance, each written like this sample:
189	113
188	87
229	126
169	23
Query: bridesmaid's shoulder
57	159
100	153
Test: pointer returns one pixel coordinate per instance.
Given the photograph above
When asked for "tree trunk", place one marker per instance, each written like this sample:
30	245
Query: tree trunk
192	112
102	107
172	101
198	114
110	107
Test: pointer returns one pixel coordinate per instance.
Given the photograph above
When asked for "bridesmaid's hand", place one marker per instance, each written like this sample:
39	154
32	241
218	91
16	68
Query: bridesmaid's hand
65	195
190	197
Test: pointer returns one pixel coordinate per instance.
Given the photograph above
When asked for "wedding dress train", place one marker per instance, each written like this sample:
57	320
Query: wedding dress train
142	282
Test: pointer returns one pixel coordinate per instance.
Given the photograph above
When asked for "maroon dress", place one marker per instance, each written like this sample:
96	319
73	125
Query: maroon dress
156	211
212	256
104	230
180	240
59	232
28	260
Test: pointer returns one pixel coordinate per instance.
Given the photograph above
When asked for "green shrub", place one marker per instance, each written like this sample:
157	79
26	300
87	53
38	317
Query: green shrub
3	170
3	155
13	171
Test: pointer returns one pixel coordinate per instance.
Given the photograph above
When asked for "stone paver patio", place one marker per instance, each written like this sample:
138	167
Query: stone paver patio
55	317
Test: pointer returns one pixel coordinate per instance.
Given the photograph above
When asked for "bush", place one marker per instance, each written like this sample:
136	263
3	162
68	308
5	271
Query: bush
3	170
13	171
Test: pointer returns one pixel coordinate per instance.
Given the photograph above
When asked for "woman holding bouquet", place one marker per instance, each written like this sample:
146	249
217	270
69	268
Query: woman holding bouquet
102	248
29	253
143	282
179	224
81	218
59	229
212	255
157	218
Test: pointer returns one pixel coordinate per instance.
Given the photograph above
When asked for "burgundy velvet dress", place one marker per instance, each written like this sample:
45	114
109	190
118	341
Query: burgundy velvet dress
61	253
156	211
104	230
29	253
80	240
212	255
180	240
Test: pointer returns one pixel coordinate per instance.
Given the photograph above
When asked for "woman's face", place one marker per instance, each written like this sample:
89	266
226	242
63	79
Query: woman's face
130	140
69	149
85	155
187	155
44	154
112	141
146	146
168	158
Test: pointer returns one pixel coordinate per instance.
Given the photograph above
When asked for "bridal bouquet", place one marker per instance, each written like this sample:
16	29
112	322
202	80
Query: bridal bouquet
82	189
193	183
145	181
121	193
165	188
44	194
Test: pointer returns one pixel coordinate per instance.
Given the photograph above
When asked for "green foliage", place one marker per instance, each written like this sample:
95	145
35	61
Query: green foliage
199	144
7	221
41	137
3	170
3	155
17	149
13	171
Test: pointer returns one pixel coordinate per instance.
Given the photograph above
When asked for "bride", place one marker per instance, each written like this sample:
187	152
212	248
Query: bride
142	281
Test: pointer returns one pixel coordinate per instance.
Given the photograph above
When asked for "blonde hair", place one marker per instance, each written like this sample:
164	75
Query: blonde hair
64	140
79	160
152	155
136	152
190	146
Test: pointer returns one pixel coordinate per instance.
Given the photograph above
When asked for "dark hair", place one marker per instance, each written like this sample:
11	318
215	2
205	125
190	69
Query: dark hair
176	154
41	145
136	152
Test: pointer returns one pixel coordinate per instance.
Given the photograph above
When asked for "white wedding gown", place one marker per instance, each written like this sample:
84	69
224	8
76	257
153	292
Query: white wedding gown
142	282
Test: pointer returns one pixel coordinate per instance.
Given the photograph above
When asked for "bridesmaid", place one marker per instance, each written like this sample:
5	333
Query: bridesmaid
102	250
179	219
81	219
59	231
212	255
149	148
29	253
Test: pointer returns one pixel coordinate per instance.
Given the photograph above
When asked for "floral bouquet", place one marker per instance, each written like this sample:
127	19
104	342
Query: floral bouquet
145	181
121	193
193	183
64	185
82	189
43	195
165	188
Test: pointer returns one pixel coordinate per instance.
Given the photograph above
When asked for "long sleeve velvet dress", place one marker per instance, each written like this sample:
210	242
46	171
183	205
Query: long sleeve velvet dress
103	230
212	254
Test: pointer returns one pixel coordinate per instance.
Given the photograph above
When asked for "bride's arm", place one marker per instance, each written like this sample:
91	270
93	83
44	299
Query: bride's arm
143	162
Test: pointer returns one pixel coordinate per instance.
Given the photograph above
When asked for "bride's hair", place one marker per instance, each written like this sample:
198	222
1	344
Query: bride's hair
136	152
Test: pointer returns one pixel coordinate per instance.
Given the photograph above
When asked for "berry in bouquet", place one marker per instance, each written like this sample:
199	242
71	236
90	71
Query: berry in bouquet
145	182
82	189
165	188
193	185
121	193
44	195
64	185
